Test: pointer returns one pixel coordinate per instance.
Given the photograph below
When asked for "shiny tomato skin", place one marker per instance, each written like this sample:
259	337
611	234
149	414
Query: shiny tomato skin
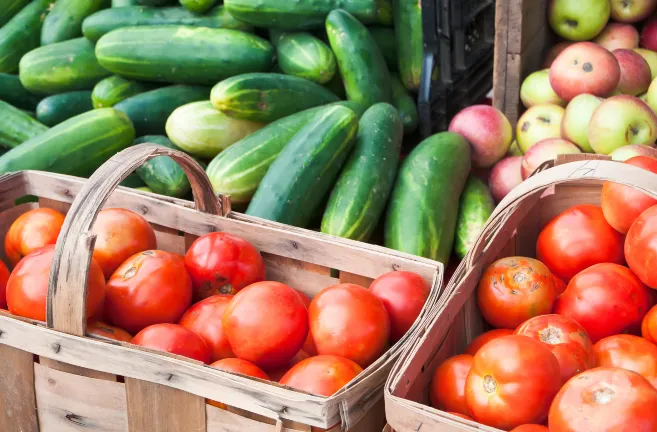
174	339
447	391
649	325
276	314
605	400
403	294
27	286
606	299
32	230
559	286
577	239
627	352
531	428
514	289
4	277
222	263
322	375
98	328
641	247
150	287
512	382
484	338
205	319
278	373
240	366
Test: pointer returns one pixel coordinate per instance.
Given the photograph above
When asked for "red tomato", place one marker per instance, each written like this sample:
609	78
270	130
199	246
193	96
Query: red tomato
278	373
27	286
347	320
484	338
31	231
4	277
531	428
150	287
174	339
649	325
322	375
566	339
101	329
605	299
641	247
621	204
309	344
222	263
120	234
266	323
627	352
605	400
512	382
403	294
447	391
514	289
559	286
205	319
577	239
460	416
241	367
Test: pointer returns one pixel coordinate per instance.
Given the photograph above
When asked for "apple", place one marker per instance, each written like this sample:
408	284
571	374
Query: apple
544	151
635	72
514	150
651	95
649	35
584	67
504	176
538	123
578	20
554	53
620	121
651	58
624	153
575	123
488	131
644	97
616	36
536	90
631	11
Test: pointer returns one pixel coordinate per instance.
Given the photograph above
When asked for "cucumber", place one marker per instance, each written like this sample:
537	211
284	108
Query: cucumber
336	86
114	89
365	76
133	181
13	92
407	15
387	43
421	217
64	21
123	3
384	12
57	108
201	130
162	174
150	110
61	67
304	56
16	126
107	20
405	104
183	54
475	207
10	8
144	189
77	146
154	2
306	169
267	96
360	195
197	6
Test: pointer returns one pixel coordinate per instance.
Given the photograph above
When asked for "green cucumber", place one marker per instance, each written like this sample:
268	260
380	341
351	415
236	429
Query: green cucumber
144	189
365	76
267	96
13	92
155	3
198	6
336	86
405	104
10	8
306	169
150	110
384	12
162	174
407	15
421	218
123	3
61	67
183	54
64	21
360	195
114	89
475	207
55	109
304	56
107	20
387	43
133	181
16	126
77	146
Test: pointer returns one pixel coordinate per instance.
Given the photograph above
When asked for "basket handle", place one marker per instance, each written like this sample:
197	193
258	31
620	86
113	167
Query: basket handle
67	290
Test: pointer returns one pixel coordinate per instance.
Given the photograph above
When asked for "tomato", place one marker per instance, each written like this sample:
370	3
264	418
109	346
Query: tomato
27	286
150	287
514	289
577	239
484	338
641	247
322	375
174	339
4	277
241	367
266	323
205	319
606	299
605	400
309	344
460	416
347	320
531	428
120	234
222	263
512	382
559	286
447	391
649	325
32	230
627	352
98	328
277	374
403	294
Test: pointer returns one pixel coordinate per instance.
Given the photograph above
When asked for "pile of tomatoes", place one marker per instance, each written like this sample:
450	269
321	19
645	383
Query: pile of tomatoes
573	345
214	305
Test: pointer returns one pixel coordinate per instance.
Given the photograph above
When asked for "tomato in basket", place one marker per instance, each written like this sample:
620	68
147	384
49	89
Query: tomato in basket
277	374
559	286
174	339
484	338
4	277
531	428
641	247
309	345
447	391
322	375
627	352
98	328
240	366
649	325
31	231
205	319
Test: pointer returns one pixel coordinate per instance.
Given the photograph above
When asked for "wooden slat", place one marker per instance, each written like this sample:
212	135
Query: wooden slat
17	401
169	240
302	276
76	370
352	278
60	206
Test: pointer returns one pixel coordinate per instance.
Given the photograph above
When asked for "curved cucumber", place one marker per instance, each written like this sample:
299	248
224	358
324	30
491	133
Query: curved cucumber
64	21
197	6
123	3
162	174
387	43
475	207
55	109
405	104
114	89
10	8
13	92
16	126
304	56
407	15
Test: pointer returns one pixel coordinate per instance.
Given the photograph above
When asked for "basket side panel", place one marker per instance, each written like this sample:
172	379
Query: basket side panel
17	401
77	370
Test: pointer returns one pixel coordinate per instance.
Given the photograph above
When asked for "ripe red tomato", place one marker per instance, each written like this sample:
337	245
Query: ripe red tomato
347	320
512	382
32	230
403	294
309	344
577	239
222	263
461	416
566	339
150	287
447	391
649	325
205	319
98	328
559	286
27	286
277	374
531	428
606	299
605	400
514	289
174	339
627	352
322	375
266	323
4	277
641	247
120	234
484	338
241	367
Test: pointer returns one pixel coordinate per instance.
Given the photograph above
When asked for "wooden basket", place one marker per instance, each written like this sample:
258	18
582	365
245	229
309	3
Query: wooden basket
512	230
55	379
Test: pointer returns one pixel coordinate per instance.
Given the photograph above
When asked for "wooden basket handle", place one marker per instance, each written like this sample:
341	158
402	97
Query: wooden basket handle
67	290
